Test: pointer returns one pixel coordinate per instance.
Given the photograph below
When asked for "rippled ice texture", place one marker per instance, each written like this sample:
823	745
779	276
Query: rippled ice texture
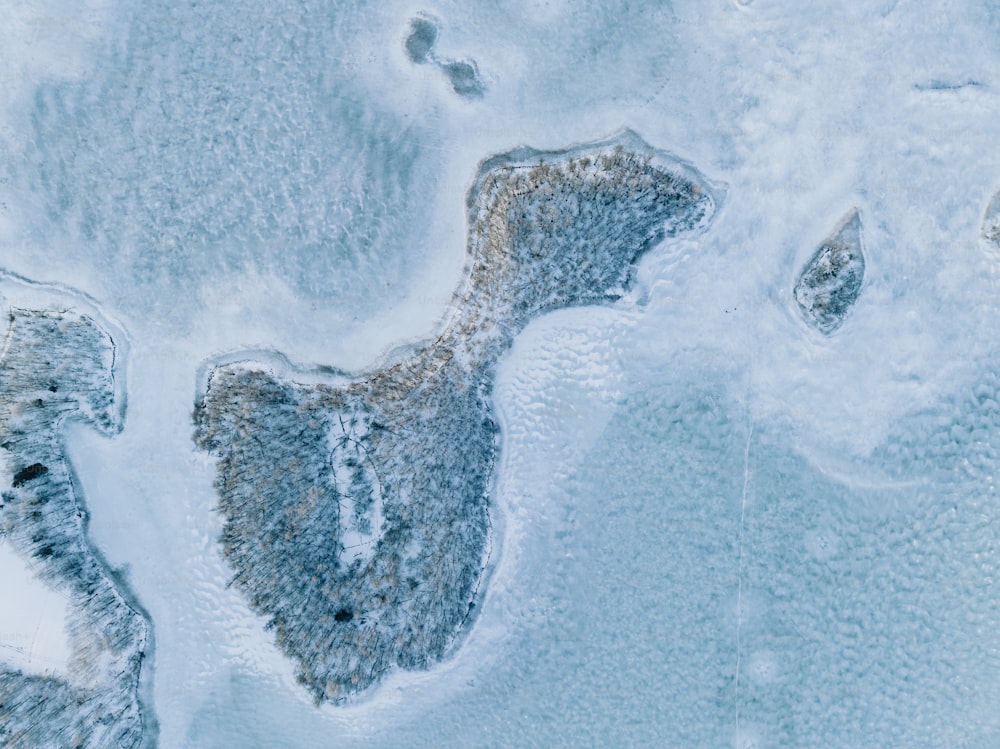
720	528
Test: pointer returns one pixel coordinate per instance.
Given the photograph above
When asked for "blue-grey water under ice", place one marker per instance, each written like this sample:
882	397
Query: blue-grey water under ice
718	525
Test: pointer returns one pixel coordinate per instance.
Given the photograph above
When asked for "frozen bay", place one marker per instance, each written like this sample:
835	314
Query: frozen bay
720	526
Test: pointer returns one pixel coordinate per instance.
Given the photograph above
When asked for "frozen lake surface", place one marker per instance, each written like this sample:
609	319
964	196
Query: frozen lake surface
724	520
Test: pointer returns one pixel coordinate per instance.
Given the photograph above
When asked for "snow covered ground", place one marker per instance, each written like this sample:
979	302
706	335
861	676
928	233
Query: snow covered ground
720	527
33	620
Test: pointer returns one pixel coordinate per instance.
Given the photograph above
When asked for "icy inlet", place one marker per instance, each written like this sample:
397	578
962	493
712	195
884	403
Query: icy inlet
59	364
357	515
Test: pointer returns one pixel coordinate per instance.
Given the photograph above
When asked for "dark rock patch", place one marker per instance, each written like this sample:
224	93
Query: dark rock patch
421	39
27	474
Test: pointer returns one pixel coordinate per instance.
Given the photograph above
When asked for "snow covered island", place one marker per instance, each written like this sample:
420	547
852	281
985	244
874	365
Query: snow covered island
58	363
358	514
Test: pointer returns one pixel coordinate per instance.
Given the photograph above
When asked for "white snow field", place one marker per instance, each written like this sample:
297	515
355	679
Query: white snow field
717	525
32	622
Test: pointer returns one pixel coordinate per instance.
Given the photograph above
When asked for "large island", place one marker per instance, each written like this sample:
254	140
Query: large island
358	512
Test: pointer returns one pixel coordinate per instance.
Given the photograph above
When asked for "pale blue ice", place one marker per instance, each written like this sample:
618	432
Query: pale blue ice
720	528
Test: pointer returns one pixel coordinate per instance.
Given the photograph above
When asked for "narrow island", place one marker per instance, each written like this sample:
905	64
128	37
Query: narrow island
830	283
58	364
358	515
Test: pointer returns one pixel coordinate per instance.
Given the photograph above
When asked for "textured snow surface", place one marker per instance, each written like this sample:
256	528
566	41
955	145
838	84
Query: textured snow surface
718	526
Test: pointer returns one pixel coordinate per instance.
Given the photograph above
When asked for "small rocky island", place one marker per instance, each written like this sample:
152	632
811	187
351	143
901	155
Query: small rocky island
357	515
58	364
990	230
830	283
